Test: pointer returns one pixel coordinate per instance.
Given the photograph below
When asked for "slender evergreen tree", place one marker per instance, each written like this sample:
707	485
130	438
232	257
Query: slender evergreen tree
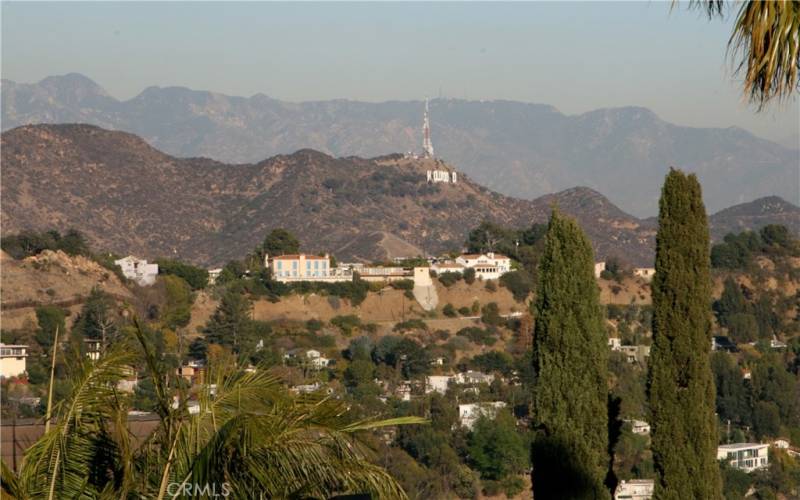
570	361
680	383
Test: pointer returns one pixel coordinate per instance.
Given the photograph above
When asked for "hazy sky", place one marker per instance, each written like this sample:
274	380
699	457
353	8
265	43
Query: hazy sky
574	56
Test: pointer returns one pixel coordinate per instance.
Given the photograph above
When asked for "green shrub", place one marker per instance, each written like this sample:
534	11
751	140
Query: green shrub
519	283
490	286
469	275
490	315
448	279
402	284
477	335
196	277
464	311
347	323
411	324
449	311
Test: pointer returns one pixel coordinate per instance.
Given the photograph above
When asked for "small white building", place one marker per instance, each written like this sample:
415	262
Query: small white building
639	426
615	343
488	266
468	414
377	274
13	360
93	348
138	270
635	353
316	359
744	456
213	274
635	489
437	383
302	267
599	267
646	273
473	377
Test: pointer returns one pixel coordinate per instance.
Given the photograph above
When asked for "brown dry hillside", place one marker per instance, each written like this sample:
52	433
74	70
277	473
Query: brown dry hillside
130	198
51	278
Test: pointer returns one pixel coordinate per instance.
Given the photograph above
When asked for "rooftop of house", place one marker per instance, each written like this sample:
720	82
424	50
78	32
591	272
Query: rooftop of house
742	446
488	254
297	256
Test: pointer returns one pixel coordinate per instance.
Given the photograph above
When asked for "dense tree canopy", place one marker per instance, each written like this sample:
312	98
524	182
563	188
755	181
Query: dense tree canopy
680	384
570	361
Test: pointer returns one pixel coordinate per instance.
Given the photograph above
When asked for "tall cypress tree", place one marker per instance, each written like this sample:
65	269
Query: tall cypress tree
680	383
570	361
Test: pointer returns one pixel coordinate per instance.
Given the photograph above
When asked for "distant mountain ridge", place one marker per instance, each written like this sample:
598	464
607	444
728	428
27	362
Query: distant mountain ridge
128	197
519	149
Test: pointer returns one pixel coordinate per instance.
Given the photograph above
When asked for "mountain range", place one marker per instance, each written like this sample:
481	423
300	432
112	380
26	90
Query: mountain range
129	197
518	149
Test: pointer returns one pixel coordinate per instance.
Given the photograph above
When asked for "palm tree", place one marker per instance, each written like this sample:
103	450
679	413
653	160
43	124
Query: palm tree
250	438
765	44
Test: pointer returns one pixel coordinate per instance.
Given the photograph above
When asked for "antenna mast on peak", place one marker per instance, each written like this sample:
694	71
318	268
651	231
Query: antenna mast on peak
427	145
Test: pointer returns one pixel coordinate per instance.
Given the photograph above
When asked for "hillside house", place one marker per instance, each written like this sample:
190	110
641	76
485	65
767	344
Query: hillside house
635	353
213	274
646	273
94	348
635	489
745	456
473	377
379	274
138	270
639	426
599	267
488	266
13	358
312	358
468	414
302	267
437	383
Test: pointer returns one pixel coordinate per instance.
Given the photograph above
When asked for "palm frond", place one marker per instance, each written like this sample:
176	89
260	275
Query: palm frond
766	41
764	46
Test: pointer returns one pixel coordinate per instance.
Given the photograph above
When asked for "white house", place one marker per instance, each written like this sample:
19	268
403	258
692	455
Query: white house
213	274
473	377
635	489
12	360
468	414
646	273
615	343
316	359
635	353
138	270
93	348
437	383
302	267
372	273
488	266
599	267
745	456
639	426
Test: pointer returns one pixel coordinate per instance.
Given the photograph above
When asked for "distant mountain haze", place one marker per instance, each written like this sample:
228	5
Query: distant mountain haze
128	197
518	149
